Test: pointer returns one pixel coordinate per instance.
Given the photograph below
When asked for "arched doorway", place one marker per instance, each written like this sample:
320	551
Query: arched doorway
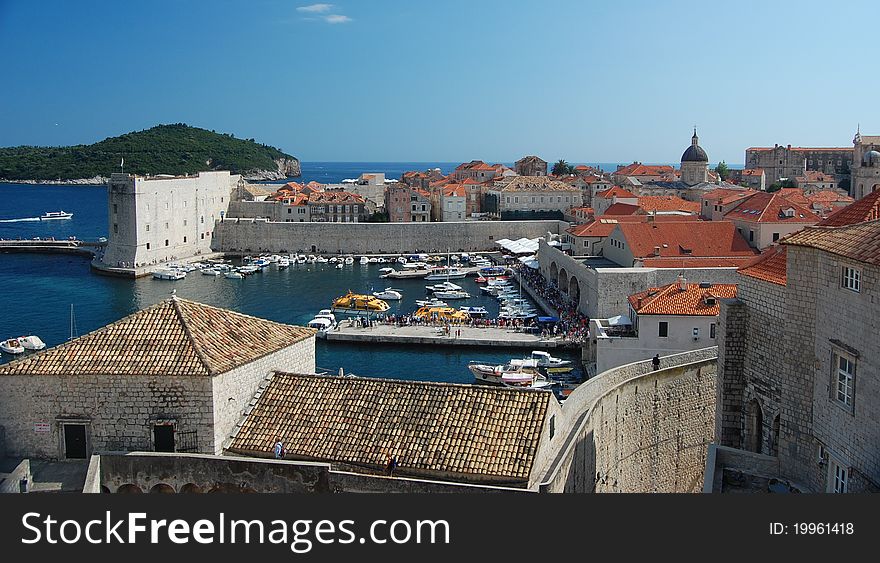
754	426
162	489
129	489
554	272
574	290
190	488
562	282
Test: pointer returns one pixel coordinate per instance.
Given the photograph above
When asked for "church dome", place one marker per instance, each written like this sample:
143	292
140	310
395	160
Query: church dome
695	152
871	158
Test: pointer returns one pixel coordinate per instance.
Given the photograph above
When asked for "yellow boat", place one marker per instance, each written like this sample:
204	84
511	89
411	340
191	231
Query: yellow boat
356	303
441	314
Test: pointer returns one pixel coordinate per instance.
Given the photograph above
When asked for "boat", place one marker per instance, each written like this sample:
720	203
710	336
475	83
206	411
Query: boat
479	312
443	286
526	380
401	259
492	270
381	260
385	271
560	370
364	260
545	360
452	294
51	215
339	265
12	346
233	275
248	270
415	266
440	314
283	264
210	272
489	373
405	274
322	325
168	274
327	314
373	260
322	260
31	342
357	303
349	260
434	302
481	279
445	273
333	260
389	293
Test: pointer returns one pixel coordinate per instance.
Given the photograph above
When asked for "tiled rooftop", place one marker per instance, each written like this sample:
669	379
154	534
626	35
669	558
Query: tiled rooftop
672	300
638	169
692	239
175	337
667	203
860	242
602	226
615	191
865	209
429	427
770	266
532	184
769	208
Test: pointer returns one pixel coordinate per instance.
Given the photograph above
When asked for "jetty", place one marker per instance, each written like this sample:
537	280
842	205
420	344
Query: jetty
65	246
497	337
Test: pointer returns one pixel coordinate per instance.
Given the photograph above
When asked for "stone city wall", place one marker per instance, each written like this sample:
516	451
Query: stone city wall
632	429
254	235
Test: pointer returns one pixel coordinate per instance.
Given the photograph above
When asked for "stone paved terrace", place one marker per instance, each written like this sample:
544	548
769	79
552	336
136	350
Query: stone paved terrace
434	335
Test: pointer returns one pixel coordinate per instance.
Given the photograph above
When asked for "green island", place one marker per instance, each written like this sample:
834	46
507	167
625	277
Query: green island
164	149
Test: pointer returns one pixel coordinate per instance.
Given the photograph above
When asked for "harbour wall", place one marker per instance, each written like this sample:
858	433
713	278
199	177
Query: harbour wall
632	429
260	235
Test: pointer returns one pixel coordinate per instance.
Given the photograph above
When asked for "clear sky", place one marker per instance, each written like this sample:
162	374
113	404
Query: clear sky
409	80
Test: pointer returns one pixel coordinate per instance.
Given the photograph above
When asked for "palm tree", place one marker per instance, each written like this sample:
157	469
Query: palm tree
561	168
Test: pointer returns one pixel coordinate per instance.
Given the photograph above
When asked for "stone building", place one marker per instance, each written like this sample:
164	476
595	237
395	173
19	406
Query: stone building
176	376
444	431
530	197
530	166
337	207
763	218
798	356
407	205
449	203
694	163
865	166
790	162
162	218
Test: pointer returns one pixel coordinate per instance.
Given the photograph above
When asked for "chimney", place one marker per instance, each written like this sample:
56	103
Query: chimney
682	283
656	251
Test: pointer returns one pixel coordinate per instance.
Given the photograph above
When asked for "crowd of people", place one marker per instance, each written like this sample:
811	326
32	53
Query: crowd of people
572	324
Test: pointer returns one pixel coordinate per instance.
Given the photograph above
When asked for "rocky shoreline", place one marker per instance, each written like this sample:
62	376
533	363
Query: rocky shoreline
286	168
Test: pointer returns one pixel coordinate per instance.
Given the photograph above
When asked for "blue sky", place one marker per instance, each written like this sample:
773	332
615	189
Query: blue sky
407	80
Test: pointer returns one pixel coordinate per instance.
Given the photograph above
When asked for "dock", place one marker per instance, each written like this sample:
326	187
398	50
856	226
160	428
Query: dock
75	246
435	336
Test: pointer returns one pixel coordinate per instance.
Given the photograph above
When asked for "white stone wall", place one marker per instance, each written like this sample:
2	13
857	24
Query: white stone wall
119	411
760	235
233	390
549	200
155	220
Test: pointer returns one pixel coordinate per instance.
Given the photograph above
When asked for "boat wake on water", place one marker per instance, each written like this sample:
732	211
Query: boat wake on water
20	220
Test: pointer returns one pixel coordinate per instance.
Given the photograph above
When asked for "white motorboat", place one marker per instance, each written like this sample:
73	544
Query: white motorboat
373	260
364	260
452	294
401	259
322	325
52	215
415	266
432	303
169	274
322	260
443	286
386	271
12	346
478	312
333	260
525	380
248	270
283	264
274	258
389	294
488	373
445	273
545	360
211	272
233	275
339	265
31	342
381	260
326	314
349	260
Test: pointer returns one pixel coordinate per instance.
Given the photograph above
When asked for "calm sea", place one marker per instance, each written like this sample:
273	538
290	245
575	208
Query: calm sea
38	290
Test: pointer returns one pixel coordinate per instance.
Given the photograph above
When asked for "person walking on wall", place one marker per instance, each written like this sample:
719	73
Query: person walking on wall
656	362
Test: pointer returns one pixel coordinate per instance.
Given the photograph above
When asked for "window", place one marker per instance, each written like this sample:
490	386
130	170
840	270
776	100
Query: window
751	236
664	329
166	225
148	246
184	240
202	219
845	373
166	242
775	237
115	228
115	209
184	222
289	210
203	236
839	478
852	279
712	330
148	227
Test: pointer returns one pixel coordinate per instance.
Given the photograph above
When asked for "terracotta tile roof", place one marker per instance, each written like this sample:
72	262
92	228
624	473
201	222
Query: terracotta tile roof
795	195
816	176
829	196
470	181
615	191
671	300
667	203
685	239
423	193
531	159
532	184
770	266
722	194
603	225
429	427
454	190
865	209
860	242
769	208
638	169
334	197
175	337
753	172
695	262
589	179
622	209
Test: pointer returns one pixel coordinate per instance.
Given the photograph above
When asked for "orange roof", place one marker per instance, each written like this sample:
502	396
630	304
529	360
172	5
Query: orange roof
622	209
795	195
672	300
422	192
865	209
829	196
603	225
698	262
469	181
722	194
335	197
684	239
770	266
615	191
667	203
639	169
454	190
860	242
752	171
769	208
816	176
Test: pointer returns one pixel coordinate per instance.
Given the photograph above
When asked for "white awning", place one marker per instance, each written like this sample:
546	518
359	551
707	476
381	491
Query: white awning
619	320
